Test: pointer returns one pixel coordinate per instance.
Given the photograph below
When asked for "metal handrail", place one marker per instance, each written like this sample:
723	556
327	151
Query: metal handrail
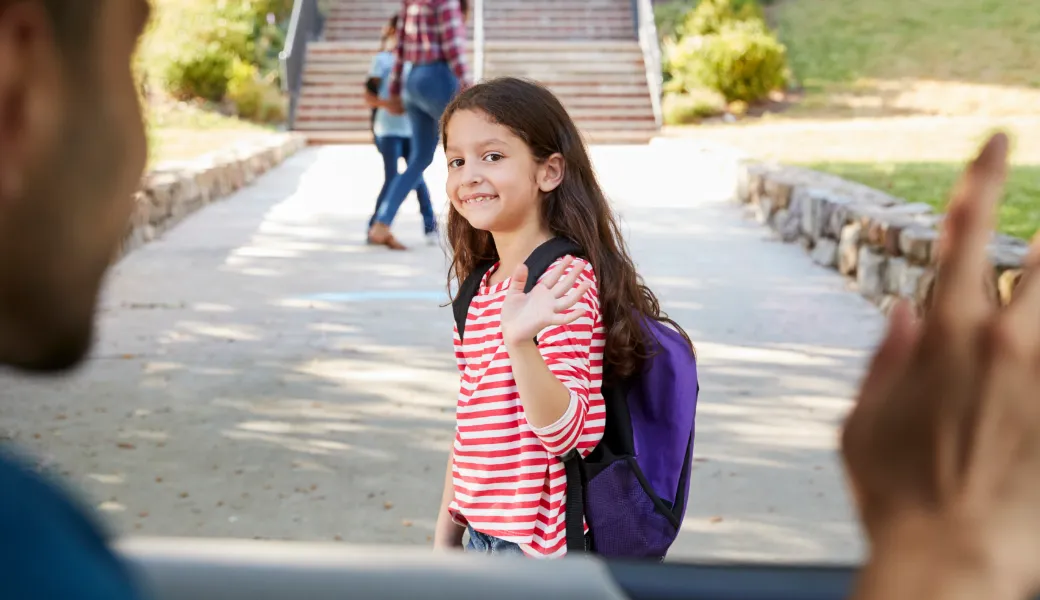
647	30
304	26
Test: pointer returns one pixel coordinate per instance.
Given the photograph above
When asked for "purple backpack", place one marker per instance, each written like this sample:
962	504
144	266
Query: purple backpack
632	489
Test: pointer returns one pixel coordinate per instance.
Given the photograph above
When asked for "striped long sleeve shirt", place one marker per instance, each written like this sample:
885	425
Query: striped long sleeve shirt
431	30
507	479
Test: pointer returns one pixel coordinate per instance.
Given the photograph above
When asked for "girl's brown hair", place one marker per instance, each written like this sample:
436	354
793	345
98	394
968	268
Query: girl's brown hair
577	210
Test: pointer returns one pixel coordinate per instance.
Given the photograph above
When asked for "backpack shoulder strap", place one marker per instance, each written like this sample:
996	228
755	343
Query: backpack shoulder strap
545	255
467	290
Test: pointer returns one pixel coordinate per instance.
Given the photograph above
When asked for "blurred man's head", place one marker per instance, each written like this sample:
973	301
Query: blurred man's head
72	149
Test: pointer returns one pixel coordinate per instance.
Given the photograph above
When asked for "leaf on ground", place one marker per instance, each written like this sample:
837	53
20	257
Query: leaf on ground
388	505
715	520
184	494
406	523
338	538
126	445
158	480
143	514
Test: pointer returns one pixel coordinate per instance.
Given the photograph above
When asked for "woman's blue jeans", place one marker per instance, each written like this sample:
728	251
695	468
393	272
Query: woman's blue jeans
427	92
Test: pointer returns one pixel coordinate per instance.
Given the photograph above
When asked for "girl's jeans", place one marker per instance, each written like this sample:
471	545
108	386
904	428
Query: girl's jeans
481	543
393	148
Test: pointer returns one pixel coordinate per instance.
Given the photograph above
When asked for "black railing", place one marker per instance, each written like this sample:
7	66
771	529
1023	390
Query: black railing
304	26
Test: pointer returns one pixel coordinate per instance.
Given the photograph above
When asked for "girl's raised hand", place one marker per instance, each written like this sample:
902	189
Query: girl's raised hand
549	302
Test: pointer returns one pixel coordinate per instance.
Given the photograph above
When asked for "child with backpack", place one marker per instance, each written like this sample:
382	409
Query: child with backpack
574	427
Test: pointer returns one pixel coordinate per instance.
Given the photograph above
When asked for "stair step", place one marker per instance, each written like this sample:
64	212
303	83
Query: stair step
352	103
619	102
550	5
564	65
549	19
630	55
332	125
318	137
594	124
559	46
352	68
338	113
539	74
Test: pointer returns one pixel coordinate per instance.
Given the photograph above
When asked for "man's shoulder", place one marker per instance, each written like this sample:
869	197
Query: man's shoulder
49	547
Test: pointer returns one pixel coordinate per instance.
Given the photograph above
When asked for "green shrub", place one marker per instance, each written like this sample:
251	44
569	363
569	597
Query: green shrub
711	16
199	72
691	107
255	98
742	61
191	45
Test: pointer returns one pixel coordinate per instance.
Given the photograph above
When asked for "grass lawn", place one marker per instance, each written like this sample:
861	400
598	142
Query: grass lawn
180	131
916	158
898	95
922	57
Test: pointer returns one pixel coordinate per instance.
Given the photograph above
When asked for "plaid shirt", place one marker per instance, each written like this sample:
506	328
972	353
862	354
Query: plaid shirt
431	31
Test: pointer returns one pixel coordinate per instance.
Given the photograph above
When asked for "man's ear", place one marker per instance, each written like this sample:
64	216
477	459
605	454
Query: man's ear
31	92
551	172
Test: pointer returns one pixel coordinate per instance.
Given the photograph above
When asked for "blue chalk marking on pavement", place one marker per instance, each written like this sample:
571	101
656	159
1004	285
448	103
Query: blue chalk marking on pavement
380	296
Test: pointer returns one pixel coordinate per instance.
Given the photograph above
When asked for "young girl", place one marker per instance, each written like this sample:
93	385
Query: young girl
519	175
393	133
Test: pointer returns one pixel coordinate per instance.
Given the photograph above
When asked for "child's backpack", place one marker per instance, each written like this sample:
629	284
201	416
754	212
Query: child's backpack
632	489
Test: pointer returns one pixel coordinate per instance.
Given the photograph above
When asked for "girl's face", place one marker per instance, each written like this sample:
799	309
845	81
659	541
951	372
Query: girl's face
494	182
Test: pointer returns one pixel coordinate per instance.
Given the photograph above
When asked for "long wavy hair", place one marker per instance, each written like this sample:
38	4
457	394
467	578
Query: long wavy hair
577	210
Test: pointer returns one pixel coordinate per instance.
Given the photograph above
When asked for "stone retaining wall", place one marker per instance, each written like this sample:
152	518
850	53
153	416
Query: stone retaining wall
886	245
175	190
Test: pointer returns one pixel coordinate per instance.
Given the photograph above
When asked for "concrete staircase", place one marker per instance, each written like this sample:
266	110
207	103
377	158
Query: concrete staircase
586	51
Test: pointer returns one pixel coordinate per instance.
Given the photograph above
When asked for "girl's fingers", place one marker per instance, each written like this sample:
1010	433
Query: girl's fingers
568	317
572	298
567	284
553	277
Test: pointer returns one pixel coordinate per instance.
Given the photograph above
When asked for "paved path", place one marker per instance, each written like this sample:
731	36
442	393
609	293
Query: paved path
261	373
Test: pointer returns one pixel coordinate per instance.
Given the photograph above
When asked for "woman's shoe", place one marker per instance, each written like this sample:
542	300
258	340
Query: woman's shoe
380	234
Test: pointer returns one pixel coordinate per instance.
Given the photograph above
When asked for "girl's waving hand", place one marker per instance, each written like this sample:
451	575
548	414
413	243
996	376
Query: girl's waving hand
548	303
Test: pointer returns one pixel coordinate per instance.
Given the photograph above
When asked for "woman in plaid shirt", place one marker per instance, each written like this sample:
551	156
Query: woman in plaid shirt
433	40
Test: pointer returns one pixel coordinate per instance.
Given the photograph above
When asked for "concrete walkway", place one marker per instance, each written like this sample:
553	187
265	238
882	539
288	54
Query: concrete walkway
260	372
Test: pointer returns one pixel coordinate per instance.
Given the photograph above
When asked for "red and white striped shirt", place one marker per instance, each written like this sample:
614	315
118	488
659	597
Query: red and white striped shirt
508	482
